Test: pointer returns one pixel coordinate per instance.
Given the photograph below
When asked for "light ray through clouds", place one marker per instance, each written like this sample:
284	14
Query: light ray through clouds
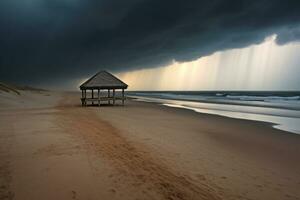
266	66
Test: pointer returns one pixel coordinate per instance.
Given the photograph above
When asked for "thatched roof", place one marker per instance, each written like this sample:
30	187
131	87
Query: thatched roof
103	80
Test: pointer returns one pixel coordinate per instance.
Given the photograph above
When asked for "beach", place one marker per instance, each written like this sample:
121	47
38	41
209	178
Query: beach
52	148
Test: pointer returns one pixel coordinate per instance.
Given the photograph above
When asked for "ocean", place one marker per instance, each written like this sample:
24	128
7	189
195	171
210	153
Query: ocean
281	108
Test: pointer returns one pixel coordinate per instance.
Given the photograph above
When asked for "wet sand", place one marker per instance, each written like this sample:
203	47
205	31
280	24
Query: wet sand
52	148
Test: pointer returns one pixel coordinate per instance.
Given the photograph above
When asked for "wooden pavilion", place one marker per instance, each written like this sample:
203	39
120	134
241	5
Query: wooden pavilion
102	81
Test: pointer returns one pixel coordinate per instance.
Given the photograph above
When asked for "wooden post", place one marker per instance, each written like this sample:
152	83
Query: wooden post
82	99
92	96
114	96
85	97
123	97
108	95
99	102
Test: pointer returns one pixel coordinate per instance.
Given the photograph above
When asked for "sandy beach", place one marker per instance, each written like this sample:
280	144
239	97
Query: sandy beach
52	148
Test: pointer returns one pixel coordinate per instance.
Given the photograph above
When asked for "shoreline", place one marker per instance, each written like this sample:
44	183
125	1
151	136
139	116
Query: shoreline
140	151
288	123
224	102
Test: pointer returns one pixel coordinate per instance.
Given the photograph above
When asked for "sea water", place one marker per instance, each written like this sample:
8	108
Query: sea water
282	109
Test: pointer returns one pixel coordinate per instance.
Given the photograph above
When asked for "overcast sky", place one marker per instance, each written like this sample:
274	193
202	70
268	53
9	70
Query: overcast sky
54	42
265	66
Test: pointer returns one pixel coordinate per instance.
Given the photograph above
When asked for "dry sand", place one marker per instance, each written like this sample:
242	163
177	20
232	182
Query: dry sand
51	148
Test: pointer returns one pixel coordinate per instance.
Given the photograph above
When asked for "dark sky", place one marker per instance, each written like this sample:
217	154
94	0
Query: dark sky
48	41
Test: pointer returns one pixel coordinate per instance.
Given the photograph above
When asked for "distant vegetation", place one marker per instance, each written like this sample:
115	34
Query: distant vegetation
9	88
16	89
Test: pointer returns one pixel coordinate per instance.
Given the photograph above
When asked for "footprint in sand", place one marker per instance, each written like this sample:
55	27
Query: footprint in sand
113	190
74	194
201	177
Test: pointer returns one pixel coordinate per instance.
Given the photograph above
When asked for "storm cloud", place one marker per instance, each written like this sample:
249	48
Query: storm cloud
56	40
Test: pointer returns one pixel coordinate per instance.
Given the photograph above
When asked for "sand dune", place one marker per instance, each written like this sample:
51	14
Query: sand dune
51	148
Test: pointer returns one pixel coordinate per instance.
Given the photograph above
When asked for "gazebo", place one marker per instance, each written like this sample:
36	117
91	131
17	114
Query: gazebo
102	81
